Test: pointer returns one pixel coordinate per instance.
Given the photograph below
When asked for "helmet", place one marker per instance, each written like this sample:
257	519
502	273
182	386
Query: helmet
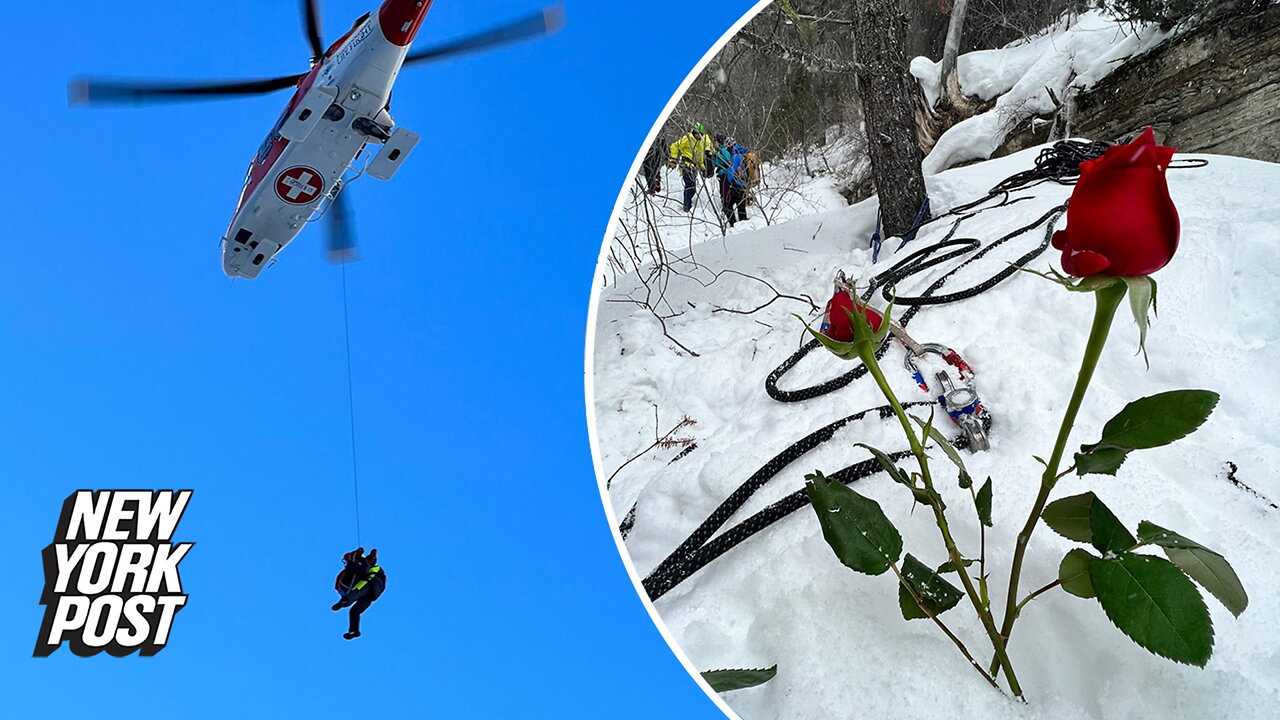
697	127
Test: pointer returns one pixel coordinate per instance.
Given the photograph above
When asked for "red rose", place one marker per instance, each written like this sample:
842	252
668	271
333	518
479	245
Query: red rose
839	324
1121	220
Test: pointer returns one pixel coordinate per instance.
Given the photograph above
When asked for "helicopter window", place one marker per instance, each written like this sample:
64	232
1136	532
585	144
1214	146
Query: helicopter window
273	136
243	235
266	148
257	259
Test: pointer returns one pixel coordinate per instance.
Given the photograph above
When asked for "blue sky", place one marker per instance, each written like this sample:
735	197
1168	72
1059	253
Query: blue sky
132	362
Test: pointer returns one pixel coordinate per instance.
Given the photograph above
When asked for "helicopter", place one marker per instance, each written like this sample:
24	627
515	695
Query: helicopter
339	108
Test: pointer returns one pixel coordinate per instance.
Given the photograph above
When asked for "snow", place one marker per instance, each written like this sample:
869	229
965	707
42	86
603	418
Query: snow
1068	57
838	638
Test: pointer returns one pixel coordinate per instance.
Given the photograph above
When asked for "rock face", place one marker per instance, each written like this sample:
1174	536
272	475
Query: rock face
1214	89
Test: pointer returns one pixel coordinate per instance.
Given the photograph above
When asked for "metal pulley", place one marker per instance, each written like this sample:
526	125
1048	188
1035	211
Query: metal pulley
960	402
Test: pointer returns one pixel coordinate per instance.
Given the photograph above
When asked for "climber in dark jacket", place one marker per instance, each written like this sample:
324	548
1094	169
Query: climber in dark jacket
361	581
733	191
651	167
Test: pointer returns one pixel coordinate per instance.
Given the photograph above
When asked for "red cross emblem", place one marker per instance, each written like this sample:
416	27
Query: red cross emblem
299	185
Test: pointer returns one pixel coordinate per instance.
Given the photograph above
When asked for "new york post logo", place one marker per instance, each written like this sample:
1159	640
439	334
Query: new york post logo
111	573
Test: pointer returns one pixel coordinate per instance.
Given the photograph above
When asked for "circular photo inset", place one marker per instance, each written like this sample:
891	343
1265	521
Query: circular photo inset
929	367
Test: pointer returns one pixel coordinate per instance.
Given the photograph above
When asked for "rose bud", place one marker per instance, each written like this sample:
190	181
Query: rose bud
1121	220
839	324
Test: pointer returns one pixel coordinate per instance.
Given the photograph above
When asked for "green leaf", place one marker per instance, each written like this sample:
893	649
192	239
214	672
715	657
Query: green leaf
983	501
1152	602
842	350
936	594
886	320
922	496
1084	518
894	471
1094	283
1069	517
936	435
1153	534
1103	461
1109	534
1141	298
1156	420
1091	284
854	526
726	680
1073	572
949	566
861	326
1205	566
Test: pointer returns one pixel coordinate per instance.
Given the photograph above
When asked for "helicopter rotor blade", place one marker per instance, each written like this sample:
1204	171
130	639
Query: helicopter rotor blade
340	240
100	92
544	22
311	16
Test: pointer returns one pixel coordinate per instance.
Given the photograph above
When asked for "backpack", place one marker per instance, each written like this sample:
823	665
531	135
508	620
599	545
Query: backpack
751	167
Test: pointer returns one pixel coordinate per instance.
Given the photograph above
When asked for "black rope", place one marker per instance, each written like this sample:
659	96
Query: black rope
1057	164
693	553
914	263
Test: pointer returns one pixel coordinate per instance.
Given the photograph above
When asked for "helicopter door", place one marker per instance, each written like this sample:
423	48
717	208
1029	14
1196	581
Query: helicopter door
392	154
308	112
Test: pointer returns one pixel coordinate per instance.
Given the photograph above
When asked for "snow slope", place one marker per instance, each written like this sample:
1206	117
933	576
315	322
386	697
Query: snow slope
840	643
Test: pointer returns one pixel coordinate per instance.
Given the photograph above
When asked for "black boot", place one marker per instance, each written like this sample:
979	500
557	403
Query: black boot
351	635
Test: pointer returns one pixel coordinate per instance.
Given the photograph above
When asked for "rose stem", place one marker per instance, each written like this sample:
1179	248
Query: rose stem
1108	299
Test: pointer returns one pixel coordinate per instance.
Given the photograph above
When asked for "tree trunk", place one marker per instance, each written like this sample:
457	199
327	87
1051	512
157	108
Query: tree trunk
949	88
886	89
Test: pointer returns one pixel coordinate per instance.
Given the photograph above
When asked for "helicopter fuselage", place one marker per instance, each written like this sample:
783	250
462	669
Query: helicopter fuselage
339	107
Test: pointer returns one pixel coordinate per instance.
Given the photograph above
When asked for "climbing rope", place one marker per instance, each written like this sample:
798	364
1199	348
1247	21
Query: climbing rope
699	549
351	407
1057	164
914	263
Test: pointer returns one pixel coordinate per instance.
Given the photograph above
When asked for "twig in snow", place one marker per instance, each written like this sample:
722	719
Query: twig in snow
776	295
664	441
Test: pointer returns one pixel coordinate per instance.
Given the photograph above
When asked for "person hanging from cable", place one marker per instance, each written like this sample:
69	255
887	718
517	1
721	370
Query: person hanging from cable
359	583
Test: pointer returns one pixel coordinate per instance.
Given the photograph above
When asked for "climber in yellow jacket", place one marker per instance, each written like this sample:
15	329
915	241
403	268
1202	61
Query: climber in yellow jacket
692	154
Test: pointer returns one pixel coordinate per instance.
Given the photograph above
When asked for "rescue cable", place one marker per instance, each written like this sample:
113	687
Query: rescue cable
351	408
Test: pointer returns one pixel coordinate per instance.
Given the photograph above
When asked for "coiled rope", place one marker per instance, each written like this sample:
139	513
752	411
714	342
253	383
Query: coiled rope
1057	164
